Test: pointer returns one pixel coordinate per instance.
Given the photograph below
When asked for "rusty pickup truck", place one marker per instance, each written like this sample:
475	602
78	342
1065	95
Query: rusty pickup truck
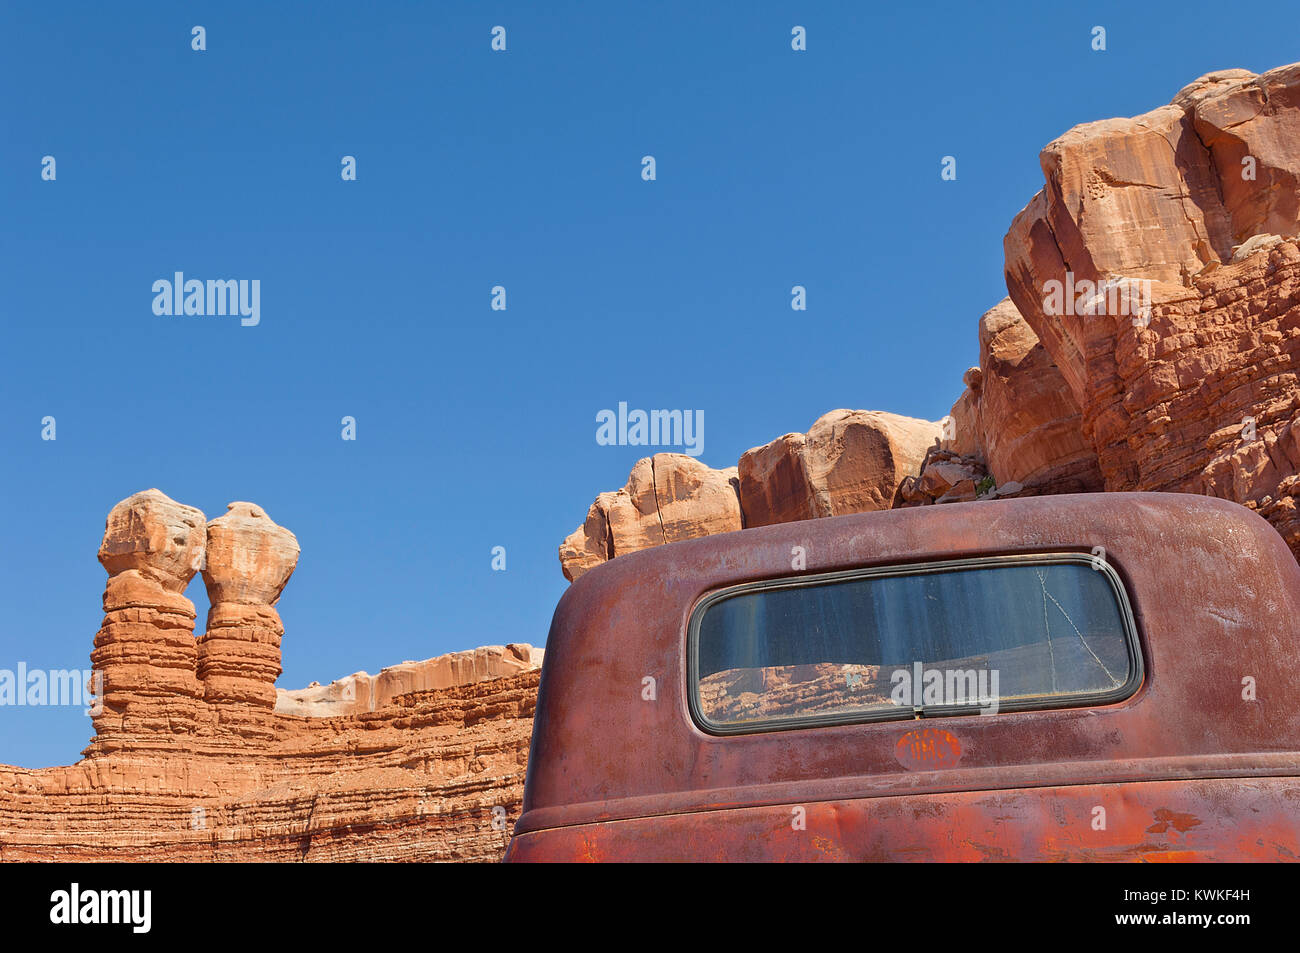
1100	677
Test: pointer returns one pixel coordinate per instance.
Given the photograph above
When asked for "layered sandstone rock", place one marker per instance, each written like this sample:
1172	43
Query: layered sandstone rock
1018	416
668	497
152	535
1196	392
1237	116
144	655
361	692
963	431
189	761
1159	197
947	477
249	561
1149	341
1125	198
431	776
850	461
1206	399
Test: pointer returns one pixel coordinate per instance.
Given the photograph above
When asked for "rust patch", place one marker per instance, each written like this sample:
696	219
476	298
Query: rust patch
928	749
1166	819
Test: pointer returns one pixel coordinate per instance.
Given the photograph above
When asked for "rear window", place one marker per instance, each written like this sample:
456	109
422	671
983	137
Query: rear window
963	637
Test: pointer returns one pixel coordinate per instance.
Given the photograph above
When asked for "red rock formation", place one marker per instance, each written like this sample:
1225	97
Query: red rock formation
850	461
1125	198
1257	117
1018	416
1205	399
947	477
1198	393
249	561
191	762
432	776
1150	340
361	692
668	497
1144	198
144	653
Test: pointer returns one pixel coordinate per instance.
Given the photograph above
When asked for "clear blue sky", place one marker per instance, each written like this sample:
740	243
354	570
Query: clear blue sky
477	428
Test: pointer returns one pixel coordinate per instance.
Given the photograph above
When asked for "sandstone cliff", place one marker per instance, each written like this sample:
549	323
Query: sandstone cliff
1150	340
197	756
849	461
1198	391
360	692
668	497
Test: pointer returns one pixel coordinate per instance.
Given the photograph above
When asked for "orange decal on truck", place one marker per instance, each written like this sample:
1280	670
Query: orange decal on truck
928	749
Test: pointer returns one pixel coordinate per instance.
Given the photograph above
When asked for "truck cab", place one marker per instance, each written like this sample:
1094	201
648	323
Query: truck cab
1081	677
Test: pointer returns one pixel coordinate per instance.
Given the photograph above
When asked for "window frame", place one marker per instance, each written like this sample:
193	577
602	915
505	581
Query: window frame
905	713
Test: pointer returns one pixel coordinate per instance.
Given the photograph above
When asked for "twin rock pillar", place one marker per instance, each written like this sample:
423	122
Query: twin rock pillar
249	560
152	677
144	655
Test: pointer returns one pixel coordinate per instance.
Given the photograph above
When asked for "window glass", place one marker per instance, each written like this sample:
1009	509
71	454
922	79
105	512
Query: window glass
982	635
